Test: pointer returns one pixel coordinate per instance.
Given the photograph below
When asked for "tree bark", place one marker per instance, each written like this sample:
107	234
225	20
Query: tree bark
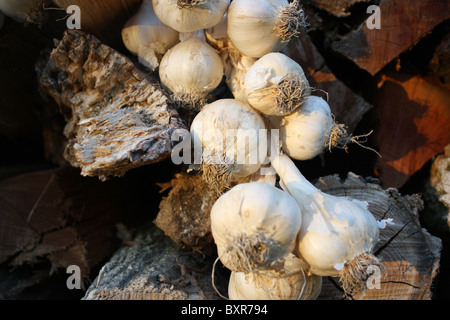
117	117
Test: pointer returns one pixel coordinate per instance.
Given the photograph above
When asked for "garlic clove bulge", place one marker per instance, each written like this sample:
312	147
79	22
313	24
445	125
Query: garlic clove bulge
257	27
337	235
306	132
294	283
276	85
254	226
147	37
190	15
230	140
191	70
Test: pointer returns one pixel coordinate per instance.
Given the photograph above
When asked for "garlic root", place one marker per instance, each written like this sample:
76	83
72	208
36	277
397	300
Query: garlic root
355	275
291	21
189	3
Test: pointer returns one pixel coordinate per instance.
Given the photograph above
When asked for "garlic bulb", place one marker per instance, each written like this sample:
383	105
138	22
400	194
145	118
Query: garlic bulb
191	70
254	226
276	84
306	133
293	284
337	235
257	27
190	15
18	10
145	36
231	139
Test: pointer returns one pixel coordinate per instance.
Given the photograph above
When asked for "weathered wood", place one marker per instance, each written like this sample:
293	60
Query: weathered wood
55	218
117	118
409	253
155	269
184	213
413	115
403	24
104	18
338	8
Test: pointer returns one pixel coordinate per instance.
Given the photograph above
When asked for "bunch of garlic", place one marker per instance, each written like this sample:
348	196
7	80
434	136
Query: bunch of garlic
278	242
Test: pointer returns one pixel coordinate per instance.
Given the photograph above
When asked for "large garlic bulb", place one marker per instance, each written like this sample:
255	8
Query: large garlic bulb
337	234
294	283
254	226
232	139
276	85
145	36
257	27
190	15
305	133
191	70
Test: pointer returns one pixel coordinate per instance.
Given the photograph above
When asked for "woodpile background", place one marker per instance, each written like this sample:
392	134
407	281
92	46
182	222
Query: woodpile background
92	184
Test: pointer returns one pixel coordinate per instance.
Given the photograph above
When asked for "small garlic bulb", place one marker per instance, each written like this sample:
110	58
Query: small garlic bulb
305	133
254	226
190	15
145	36
276	85
228	133
18	10
257	27
294	283
191	70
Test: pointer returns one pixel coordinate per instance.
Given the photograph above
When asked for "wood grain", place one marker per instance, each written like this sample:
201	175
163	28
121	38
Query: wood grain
403	24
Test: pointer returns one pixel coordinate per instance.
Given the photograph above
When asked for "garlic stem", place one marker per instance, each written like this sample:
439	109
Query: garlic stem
293	179
338	233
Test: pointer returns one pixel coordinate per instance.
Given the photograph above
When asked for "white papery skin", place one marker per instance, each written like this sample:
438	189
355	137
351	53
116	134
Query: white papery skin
191	66
255	208
266	73
147	37
334	230
251	26
238	119
295	284
199	17
17	9
305	132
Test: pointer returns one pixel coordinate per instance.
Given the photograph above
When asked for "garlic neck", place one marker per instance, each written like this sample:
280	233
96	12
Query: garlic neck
292	178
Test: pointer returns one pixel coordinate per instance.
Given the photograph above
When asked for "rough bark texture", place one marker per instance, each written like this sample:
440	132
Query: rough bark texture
53	219
117	119
155	268
184	213
409	253
402	26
